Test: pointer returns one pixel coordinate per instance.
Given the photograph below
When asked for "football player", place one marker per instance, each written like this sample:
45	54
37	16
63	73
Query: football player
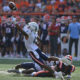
30	32
63	66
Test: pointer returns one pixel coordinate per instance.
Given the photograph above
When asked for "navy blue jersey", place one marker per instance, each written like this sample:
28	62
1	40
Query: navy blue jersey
66	69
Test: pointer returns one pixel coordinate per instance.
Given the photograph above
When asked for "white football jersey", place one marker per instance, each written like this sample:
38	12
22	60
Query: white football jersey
30	43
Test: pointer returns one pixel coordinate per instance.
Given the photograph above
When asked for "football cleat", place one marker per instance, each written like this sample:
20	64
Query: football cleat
13	71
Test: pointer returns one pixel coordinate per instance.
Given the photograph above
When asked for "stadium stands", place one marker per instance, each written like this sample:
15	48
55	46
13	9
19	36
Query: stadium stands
62	9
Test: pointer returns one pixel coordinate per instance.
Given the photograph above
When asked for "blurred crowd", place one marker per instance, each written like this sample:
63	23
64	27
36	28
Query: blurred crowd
48	6
11	41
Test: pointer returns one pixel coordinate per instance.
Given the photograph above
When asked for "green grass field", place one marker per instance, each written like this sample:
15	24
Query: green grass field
6	64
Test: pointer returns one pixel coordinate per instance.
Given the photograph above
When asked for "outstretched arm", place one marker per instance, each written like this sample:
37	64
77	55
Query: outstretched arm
52	58
23	32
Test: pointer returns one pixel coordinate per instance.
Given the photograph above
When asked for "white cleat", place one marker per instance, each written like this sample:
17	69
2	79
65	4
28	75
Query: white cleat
59	75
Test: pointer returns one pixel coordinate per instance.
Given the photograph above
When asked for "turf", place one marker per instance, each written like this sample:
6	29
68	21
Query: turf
6	64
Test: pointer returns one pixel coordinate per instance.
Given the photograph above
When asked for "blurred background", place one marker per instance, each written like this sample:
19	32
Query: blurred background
44	12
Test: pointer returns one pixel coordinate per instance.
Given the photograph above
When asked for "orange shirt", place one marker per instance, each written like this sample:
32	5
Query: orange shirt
27	3
49	7
22	3
56	4
18	5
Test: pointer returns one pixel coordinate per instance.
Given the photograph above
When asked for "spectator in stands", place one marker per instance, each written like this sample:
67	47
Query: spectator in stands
39	4
3	26
74	8
43	7
70	3
53	30
78	4
64	52
44	36
73	30
45	1
64	27
48	7
30	6
23	9
61	8
6	8
8	36
19	43
37	9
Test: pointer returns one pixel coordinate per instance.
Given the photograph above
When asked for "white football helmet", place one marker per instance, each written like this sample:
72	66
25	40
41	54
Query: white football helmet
33	26
67	59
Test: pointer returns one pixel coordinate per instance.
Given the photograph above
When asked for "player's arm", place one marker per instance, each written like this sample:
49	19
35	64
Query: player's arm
52	58
13	7
21	30
53	72
48	68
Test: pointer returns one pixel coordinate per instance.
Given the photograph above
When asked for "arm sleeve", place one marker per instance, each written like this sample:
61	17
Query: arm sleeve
42	55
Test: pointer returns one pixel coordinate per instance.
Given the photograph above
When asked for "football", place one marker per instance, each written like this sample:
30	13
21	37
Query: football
12	6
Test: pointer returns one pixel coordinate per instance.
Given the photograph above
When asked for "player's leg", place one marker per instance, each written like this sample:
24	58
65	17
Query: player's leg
41	54
47	74
36	58
26	65
42	74
40	63
28	71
